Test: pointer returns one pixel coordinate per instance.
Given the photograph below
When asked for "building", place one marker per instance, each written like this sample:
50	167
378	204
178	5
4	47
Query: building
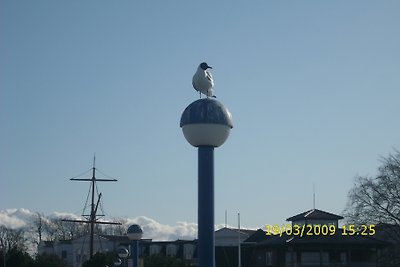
230	237
315	238
76	252
185	250
309	239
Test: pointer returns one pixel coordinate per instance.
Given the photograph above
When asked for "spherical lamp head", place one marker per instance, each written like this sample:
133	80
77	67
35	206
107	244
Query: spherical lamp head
206	122
117	262
123	252
134	232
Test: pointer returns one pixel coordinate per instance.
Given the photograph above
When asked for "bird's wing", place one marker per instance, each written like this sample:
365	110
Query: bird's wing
194	84
209	76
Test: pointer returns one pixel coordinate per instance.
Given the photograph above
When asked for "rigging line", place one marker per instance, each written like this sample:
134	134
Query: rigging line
101	207
101	200
80	211
81	174
104	174
87	199
97	190
106	214
101	244
82	249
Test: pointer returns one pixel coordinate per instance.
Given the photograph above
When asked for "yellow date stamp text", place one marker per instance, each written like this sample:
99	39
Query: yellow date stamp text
320	230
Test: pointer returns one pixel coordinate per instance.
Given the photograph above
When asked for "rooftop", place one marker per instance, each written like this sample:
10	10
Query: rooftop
314	214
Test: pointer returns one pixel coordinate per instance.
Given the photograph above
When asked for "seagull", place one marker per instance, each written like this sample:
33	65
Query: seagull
203	81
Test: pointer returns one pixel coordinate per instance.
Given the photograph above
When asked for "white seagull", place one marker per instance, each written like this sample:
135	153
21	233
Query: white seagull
203	81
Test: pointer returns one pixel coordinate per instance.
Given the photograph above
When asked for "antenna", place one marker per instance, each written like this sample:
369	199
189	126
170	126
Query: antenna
314	196
226	219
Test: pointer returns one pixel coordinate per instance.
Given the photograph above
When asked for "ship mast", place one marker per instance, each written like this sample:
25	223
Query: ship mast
92	218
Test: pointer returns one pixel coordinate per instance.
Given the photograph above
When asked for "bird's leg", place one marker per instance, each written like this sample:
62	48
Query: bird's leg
200	94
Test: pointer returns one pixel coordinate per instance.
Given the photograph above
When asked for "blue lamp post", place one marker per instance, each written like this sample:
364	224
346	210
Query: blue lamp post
134	234
206	124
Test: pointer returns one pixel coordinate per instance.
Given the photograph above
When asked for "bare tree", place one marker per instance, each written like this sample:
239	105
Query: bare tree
57	229
376	200
114	229
38	227
50	229
122	228
11	239
63	232
74	229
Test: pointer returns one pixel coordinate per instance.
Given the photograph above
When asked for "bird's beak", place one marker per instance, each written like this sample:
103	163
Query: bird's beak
209	67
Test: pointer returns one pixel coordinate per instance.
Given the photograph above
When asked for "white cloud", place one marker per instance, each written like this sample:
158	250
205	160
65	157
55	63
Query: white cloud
64	215
157	231
15	218
20	218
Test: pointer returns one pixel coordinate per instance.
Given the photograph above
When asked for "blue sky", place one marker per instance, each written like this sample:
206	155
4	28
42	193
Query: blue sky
313	87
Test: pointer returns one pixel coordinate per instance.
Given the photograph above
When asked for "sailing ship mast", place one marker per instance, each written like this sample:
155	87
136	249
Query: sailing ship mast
93	217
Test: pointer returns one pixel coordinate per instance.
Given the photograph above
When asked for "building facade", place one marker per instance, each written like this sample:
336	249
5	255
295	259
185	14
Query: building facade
315	238
309	239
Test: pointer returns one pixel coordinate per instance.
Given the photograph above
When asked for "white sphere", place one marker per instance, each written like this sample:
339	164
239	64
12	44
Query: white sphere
134	232
123	253
206	122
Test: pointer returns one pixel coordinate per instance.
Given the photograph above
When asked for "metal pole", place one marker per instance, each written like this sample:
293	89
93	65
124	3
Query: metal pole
92	212
135	253
226	218
239	248
206	252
